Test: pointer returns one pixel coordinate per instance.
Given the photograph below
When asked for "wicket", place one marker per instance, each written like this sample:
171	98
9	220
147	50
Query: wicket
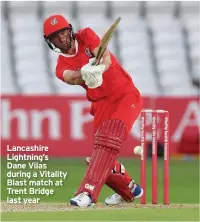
154	117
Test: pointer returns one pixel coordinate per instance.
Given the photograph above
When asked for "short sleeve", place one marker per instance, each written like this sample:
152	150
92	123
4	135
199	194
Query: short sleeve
59	72
91	38
60	68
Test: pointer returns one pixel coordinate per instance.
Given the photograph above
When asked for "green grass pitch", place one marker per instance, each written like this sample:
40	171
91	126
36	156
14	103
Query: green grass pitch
184	190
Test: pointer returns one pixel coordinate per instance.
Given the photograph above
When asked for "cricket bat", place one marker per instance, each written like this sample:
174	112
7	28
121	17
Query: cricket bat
105	40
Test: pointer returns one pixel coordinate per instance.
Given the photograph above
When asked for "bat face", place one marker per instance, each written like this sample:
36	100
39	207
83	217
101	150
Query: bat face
105	40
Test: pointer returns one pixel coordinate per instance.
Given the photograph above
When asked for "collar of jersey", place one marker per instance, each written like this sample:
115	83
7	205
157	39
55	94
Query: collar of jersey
76	46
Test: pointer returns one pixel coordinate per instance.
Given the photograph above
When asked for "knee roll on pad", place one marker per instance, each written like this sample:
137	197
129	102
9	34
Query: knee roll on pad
110	134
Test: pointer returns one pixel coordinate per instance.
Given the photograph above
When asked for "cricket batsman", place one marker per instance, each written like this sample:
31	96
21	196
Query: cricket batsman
116	104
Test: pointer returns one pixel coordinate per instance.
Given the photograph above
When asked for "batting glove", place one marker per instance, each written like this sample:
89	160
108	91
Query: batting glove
92	75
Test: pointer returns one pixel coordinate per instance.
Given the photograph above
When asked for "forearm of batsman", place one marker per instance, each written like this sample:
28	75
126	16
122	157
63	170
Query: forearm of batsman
106	60
73	77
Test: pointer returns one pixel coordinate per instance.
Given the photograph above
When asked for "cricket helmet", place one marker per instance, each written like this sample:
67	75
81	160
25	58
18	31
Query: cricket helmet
55	24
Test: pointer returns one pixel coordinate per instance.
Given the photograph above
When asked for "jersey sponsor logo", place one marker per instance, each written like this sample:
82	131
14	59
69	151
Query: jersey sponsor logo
87	52
89	187
54	21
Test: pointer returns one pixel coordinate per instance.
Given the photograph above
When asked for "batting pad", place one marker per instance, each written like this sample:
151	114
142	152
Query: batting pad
108	141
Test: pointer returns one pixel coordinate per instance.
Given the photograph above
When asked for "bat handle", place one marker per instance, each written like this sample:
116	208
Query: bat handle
96	62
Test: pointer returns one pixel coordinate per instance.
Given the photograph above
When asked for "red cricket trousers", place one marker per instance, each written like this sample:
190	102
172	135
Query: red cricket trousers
126	108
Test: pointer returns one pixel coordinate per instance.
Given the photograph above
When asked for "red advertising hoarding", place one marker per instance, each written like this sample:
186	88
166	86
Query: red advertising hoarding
65	125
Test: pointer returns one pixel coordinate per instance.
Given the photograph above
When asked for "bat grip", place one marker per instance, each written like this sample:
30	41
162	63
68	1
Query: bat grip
96	62
99	57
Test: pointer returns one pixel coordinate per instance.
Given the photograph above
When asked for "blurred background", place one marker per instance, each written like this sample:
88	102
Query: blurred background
157	42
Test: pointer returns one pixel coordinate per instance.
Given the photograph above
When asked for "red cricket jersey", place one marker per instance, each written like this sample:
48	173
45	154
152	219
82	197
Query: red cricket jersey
116	80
